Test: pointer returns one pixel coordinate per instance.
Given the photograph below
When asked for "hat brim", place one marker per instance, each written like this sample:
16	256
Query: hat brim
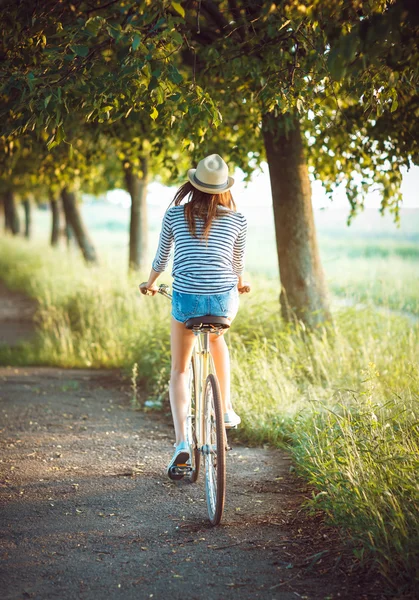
208	190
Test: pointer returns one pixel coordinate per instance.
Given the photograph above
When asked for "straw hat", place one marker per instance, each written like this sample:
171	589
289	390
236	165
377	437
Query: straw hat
211	175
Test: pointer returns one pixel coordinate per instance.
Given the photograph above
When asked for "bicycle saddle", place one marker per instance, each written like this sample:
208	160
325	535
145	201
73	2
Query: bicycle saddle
207	323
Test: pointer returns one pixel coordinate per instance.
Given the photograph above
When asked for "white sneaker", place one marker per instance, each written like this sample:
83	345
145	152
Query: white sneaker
180	457
231	419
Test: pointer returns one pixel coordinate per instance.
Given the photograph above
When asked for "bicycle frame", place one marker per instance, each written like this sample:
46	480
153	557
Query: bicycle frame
203	367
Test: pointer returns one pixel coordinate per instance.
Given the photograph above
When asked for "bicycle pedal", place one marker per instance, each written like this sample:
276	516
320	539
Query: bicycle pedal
177	472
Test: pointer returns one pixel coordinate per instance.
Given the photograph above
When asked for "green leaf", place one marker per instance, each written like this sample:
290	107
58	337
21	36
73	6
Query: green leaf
94	24
80	50
174	75
59	136
31	81
114	31
153	83
159	94
47	100
336	64
136	42
179	9
394	106
154	113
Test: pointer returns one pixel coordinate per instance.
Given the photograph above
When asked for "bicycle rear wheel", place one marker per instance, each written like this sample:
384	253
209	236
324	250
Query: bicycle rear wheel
191	423
214	451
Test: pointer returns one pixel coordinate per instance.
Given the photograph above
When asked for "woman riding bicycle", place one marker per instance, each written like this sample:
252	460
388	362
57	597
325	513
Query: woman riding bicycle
209	238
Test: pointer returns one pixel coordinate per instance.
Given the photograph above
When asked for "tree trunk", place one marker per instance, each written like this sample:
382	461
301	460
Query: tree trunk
10	211
73	218
68	232
6	216
138	231
55	225
303	287
28	221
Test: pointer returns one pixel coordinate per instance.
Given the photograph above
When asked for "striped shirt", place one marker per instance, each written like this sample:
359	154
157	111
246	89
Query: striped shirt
202	266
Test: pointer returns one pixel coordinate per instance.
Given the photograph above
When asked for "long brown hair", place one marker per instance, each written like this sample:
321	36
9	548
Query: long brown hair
202	206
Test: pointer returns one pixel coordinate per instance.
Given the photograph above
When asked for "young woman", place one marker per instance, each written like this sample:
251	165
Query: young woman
209	238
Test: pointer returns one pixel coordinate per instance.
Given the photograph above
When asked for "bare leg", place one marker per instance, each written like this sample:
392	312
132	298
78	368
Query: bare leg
221	357
182	342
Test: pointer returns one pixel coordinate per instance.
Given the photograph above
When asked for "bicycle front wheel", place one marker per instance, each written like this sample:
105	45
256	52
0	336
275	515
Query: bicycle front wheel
214	451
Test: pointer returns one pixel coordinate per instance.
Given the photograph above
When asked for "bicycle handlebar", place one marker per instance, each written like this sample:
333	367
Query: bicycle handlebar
164	290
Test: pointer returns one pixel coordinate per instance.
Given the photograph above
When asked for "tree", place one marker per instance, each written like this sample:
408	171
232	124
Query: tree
303	293
26	203
55	219
11	216
73	218
273	70
97	63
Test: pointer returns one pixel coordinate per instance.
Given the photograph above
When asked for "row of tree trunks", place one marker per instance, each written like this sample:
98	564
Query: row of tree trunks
73	219
303	287
11	215
138	232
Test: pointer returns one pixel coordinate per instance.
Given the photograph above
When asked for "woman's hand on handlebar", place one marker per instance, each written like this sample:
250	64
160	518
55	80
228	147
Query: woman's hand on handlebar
244	287
148	290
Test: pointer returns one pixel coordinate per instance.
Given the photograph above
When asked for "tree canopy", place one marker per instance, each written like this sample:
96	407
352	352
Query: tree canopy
97	60
348	70
205	73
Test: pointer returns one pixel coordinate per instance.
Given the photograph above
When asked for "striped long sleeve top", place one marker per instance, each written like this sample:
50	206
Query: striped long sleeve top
202	266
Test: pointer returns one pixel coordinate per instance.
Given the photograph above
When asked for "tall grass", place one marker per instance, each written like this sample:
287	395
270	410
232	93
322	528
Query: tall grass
391	282
346	403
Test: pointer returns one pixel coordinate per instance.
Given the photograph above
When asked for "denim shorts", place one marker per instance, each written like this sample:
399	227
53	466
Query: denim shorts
186	306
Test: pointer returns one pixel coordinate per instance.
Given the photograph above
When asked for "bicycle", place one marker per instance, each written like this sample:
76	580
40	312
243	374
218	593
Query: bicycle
206	433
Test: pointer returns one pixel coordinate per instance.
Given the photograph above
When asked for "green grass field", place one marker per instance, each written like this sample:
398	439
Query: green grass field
346	404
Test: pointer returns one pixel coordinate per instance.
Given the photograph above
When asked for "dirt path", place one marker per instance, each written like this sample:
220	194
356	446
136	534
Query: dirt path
88	512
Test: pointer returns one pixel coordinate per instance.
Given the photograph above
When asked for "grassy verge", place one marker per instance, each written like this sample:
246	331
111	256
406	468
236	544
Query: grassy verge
347	404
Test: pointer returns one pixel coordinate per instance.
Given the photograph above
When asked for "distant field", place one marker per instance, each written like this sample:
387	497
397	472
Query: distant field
373	260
